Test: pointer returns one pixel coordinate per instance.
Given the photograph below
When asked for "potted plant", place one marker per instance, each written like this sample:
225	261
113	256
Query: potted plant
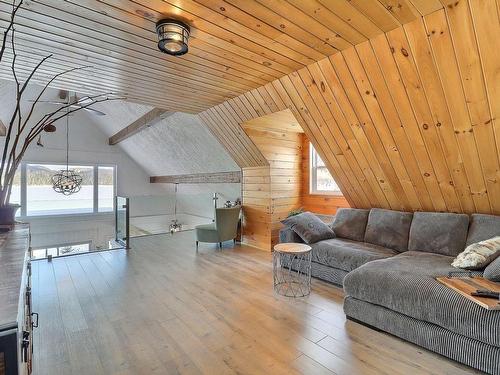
296	211
22	129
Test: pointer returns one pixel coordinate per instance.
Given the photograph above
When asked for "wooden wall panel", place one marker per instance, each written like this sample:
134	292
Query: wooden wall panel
406	120
278	136
256	222
271	192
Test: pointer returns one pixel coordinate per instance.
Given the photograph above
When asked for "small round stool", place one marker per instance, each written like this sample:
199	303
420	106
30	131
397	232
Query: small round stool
292	269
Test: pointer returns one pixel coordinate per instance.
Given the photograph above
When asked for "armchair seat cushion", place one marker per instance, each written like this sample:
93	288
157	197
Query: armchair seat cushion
206	227
207	233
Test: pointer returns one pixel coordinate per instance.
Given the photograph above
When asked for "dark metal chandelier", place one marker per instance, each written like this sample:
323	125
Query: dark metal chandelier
67	181
173	36
175	226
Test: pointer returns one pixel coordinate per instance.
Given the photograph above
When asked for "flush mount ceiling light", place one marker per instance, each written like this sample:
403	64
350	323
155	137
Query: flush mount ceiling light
173	36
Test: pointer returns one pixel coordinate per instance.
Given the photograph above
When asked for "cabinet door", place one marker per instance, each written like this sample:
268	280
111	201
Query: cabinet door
8	352
2	363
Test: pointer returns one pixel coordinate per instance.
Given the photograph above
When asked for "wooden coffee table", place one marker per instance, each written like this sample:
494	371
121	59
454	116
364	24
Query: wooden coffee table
292	269
466	285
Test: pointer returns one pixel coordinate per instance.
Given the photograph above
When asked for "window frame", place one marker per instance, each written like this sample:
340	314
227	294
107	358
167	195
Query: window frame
313	175
95	205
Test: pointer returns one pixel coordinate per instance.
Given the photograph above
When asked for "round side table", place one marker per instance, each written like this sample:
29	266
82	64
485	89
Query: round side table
292	269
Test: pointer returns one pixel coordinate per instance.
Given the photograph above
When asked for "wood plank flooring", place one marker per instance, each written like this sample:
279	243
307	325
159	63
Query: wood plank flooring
160	308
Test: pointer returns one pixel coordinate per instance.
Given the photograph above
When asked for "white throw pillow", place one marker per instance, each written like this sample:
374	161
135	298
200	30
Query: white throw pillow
478	255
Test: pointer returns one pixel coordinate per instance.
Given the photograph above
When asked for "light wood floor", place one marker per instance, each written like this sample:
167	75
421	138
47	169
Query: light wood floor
162	309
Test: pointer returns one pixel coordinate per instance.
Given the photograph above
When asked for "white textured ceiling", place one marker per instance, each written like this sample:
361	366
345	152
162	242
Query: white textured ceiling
179	144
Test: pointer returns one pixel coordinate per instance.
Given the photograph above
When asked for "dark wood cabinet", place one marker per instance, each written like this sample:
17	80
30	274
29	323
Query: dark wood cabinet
16	315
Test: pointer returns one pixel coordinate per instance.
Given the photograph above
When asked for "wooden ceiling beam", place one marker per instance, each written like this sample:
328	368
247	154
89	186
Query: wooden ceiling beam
145	121
3	129
199	178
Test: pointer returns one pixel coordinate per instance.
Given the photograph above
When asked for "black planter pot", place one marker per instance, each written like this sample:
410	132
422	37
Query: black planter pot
8	214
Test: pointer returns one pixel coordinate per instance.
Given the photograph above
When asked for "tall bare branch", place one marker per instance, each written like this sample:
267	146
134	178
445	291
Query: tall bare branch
16	136
9	27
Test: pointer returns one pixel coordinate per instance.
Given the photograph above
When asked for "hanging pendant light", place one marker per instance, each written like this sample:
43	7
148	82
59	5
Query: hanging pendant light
67	181
175	226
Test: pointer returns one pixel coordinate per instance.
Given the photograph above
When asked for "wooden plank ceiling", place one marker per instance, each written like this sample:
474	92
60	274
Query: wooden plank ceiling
235	45
409	119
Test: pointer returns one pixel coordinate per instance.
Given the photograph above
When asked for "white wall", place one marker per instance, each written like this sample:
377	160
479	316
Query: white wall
88	144
180	144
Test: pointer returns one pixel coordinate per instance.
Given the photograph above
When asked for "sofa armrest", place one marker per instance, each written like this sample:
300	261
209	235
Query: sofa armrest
288	235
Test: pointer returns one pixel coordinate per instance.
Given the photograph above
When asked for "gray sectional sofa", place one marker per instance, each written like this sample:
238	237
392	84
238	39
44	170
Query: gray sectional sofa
388	261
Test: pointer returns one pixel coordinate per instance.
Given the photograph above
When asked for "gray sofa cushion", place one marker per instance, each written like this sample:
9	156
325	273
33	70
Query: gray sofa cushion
288	235
406	284
483	227
440	233
492	271
388	228
347	254
350	223
328	219
309	227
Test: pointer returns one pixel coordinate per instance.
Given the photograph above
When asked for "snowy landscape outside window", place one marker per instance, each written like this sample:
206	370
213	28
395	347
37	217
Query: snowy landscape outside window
322	181
34	192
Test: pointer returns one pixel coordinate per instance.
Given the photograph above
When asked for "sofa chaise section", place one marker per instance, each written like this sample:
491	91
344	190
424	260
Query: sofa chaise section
401	295
407	284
